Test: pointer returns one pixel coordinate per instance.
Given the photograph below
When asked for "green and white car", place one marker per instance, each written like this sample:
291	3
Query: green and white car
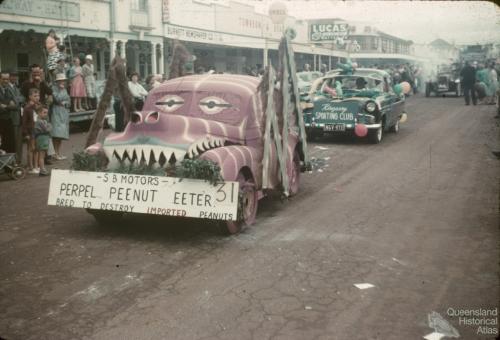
362	102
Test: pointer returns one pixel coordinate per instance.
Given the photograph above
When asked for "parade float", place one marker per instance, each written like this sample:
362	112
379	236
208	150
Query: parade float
203	146
358	101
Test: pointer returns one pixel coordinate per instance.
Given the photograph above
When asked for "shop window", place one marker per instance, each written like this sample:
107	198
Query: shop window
385	47
23	61
140	5
23	67
231	52
106	61
98	61
145	67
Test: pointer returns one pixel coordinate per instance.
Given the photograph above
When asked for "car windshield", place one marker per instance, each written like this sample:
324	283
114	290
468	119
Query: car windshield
304	76
308	76
356	83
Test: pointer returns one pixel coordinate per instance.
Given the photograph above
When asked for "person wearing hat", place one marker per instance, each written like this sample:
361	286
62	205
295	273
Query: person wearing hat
60	114
89	79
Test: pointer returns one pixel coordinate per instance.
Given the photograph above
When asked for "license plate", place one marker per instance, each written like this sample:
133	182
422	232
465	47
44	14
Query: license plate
334	127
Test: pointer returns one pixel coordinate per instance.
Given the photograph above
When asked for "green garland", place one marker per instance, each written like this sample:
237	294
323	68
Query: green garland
86	162
188	168
199	169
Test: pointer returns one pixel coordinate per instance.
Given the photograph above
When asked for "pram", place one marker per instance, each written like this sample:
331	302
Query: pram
9	166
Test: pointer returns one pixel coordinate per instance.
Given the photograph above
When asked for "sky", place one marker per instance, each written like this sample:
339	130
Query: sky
459	22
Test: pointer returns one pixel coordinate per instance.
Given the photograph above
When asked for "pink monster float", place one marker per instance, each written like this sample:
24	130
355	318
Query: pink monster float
234	121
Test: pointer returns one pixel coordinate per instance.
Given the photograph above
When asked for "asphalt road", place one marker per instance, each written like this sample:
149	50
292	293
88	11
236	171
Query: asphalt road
416	216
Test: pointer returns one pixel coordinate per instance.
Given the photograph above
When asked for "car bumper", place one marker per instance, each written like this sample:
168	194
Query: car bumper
320	126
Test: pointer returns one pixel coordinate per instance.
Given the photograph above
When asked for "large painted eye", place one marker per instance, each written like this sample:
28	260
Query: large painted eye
169	103
213	105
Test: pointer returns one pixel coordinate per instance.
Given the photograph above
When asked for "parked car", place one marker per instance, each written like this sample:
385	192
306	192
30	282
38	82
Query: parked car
219	118
446	80
362	102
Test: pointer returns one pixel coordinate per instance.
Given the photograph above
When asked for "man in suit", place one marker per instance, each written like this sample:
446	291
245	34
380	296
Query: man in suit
468	75
17	113
7	107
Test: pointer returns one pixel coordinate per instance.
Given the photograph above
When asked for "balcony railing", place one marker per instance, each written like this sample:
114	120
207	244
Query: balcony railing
140	19
383	51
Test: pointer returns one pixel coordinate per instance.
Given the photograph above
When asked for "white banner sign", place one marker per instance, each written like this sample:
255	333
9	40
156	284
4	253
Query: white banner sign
157	195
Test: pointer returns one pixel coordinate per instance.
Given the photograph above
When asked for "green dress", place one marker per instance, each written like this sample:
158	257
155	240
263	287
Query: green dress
60	113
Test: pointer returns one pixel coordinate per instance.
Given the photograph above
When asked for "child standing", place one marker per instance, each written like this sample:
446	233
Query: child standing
42	137
28	129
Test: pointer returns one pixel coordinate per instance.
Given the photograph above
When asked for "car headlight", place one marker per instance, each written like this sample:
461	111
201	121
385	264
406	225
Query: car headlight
371	107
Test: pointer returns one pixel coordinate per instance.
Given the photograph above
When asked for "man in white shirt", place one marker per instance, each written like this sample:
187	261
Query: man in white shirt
138	92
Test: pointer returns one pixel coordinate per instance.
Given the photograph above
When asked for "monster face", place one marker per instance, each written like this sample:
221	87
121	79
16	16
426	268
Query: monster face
188	116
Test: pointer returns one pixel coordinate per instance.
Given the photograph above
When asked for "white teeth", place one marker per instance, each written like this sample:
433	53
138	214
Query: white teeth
118	152
206	144
157	152
145	154
167	155
148	154
126	153
179	155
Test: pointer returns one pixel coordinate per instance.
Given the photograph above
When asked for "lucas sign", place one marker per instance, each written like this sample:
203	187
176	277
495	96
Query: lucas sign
328	31
157	195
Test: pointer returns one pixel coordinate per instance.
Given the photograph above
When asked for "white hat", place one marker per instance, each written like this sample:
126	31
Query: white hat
60	76
88	56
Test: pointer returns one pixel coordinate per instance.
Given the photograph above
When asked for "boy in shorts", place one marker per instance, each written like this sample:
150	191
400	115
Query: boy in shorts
27	129
42	137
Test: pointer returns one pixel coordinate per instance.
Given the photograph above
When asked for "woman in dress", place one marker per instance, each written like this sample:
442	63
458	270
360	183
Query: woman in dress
89	79
77	91
60	115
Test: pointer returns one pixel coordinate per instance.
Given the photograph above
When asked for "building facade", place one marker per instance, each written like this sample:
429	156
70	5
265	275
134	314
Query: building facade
371	46
229	36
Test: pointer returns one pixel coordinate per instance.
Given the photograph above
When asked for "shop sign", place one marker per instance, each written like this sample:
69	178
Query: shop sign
278	12
49	9
190	34
166	10
328	31
132	193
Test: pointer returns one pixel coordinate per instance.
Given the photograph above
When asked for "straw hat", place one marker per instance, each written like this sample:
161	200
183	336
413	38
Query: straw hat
89	57
60	76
